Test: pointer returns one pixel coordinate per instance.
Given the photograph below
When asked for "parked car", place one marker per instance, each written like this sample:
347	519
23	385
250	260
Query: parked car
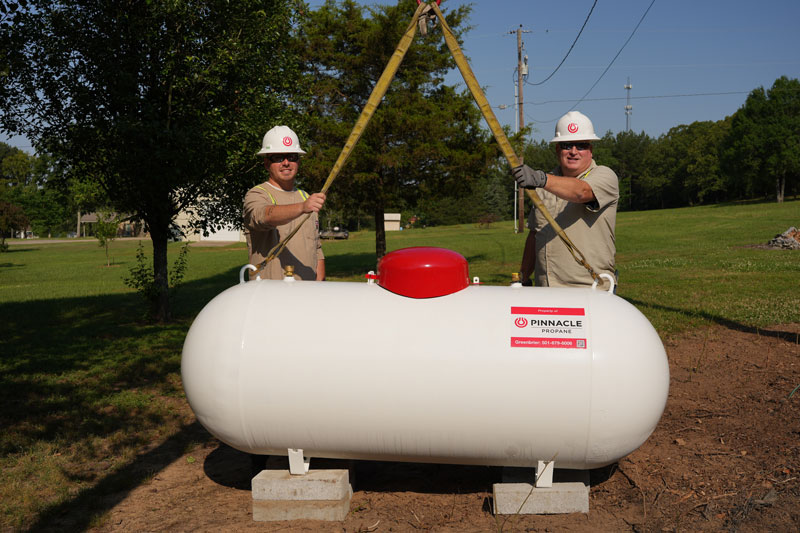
335	233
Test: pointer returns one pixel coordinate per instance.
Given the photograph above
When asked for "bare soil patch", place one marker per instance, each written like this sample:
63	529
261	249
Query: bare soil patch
725	457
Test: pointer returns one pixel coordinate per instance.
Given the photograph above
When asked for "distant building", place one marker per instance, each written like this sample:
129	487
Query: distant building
223	235
126	228
391	221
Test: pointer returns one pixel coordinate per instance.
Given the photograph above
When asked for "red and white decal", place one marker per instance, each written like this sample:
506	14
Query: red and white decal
572	128
549	327
287	141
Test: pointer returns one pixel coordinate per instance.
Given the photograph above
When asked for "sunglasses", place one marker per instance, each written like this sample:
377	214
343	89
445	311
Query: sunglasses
578	146
278	158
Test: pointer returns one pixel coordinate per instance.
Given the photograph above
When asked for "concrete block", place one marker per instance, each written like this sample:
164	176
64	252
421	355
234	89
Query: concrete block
318	495
569	493
275	510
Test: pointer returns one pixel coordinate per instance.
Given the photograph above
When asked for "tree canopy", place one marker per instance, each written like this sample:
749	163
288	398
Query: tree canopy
763	147
424	141
159	102
154	107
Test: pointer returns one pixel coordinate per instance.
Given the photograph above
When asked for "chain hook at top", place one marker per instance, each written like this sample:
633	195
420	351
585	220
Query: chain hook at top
427	18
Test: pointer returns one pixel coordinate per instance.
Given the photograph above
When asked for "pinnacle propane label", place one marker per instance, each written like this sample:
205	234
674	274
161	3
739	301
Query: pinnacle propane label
548	327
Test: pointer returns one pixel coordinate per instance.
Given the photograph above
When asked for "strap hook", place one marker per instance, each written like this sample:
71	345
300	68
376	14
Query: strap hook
427	18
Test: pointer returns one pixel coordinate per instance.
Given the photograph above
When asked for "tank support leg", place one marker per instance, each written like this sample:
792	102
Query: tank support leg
544	473
298	464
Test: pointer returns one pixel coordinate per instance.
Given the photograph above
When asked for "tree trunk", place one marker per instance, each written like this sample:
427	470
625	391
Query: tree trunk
380	231
161	311
780	188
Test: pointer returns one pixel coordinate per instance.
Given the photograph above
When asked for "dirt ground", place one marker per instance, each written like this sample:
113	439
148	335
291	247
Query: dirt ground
725	457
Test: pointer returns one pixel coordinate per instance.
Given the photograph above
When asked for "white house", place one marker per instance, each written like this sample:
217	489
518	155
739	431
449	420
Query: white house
391	221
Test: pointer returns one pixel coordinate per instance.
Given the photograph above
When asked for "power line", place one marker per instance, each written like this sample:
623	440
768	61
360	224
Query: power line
568	51
615	57
632	98
639	97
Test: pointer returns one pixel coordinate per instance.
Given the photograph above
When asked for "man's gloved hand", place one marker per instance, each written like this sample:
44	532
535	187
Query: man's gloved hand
527	178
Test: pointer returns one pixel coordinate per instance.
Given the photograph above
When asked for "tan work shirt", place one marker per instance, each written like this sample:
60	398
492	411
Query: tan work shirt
303	250
590	227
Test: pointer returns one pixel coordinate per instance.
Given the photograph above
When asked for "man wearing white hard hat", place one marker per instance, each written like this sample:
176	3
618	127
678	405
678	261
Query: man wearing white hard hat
582	196
274	208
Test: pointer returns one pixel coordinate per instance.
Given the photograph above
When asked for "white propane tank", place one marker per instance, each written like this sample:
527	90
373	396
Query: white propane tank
422	367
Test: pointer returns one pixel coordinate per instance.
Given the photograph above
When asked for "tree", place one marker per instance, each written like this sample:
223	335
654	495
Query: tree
654	186
629	151
85	195
12	219
162	103
29	182
682	167
48	210
763	146
497	194
704	182
541	155
17	168
424	140
105	230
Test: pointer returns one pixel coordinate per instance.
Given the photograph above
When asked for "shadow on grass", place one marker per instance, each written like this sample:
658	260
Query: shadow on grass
89	377
722	321
757	201
77	513
475	258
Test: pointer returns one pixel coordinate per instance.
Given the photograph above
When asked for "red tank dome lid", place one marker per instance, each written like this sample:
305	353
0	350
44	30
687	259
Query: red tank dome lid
423	272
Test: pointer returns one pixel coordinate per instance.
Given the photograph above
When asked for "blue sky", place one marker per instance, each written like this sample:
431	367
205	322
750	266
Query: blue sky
718	51
681	48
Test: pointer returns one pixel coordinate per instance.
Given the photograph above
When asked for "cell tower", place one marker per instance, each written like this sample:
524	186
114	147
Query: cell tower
628	106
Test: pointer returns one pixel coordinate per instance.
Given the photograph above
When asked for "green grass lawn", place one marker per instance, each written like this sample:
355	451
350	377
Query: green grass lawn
88	388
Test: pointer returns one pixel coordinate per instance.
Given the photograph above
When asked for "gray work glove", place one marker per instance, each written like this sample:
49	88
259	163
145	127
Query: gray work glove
527	178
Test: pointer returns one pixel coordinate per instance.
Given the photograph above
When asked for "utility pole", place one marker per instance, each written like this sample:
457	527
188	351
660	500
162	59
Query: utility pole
628	106
628	113
522	71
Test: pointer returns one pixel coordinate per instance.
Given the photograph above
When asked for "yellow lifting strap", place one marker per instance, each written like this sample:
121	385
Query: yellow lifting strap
378	93
500	136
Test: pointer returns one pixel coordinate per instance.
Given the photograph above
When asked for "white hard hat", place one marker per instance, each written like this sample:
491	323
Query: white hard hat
280	140
574	126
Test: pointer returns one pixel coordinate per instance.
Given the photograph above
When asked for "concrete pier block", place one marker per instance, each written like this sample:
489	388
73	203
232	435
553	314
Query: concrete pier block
317	495
569	493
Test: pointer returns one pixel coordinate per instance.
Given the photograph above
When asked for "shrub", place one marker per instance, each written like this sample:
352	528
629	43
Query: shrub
141	277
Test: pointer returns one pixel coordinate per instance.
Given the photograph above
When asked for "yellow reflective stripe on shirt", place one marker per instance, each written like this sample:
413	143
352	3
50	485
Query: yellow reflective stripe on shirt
268	194
303	194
